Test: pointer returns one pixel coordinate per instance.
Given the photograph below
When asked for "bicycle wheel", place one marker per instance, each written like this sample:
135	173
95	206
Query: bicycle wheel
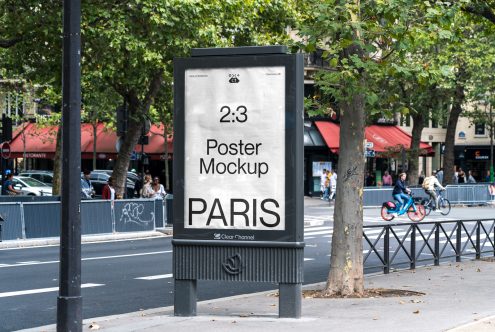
385	215
427	206
417	215
445	206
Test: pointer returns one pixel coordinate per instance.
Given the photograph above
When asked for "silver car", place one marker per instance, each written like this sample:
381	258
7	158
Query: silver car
31	187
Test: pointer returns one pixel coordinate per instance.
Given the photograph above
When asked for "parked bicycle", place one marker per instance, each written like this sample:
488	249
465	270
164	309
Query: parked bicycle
443	204
415	212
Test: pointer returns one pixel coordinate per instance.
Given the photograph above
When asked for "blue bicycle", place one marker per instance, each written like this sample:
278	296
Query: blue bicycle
415	212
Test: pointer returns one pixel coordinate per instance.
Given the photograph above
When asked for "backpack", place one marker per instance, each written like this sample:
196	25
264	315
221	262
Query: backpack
426	183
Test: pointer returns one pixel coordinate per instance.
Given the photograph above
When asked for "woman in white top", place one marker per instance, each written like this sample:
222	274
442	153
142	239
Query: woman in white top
158	190
147	191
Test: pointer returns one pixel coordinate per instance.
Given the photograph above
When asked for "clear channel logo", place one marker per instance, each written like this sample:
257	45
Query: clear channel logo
238	237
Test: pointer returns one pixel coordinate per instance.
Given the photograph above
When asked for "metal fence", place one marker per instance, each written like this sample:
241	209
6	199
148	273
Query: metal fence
427	242
28	220
456	194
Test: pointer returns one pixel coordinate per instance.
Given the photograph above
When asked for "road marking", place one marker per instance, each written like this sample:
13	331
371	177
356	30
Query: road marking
42	290
309	237
308	259
318	233
129	255
310	229
160	276
86	259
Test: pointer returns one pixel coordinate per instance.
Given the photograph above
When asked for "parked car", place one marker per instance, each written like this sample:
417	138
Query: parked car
31	187
130	175
43	176
99	180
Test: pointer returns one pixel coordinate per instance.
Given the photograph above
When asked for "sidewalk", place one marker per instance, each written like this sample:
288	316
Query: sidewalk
458	297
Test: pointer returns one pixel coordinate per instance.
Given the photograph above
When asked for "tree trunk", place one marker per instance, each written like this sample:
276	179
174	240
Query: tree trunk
346	264
418	126
137	111
119	173
95	127
455	112
57	164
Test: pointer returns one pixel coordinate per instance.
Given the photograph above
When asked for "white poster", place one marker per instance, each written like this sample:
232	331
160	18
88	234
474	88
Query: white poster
235	148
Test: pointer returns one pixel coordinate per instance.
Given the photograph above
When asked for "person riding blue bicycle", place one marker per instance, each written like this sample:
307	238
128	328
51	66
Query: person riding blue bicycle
401	193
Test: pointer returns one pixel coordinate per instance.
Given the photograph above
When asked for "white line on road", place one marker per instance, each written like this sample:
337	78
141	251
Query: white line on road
160	276
42	290
309	259
87	259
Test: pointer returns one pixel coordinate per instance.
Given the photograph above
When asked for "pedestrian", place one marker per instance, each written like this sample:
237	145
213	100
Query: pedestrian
440	175
323	178
387	179
8	185
147	191
470	178
87	190
138	185
421	178
108	191
461	176
487	177
333	185
158	190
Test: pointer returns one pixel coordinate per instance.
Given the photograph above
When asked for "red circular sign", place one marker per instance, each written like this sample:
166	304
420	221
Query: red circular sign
5	150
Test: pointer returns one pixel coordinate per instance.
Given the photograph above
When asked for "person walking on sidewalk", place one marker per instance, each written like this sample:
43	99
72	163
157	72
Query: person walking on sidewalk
108	191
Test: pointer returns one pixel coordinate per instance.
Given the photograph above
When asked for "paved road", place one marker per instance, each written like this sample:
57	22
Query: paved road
127	276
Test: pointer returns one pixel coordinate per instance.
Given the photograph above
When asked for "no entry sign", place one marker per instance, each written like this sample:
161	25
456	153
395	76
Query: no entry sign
6	150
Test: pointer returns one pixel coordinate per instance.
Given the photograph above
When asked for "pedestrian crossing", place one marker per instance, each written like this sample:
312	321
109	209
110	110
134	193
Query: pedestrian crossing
319	220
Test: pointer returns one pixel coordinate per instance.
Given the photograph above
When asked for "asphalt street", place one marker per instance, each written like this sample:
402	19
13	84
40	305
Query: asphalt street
127	276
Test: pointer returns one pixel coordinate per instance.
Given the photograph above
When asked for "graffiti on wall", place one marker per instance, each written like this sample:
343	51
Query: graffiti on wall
135	213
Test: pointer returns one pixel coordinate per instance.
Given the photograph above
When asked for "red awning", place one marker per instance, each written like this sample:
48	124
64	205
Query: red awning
331	133
40	142
385	139
391	139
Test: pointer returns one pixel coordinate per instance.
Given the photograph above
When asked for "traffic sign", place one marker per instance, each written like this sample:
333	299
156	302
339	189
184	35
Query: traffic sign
369	153
5	150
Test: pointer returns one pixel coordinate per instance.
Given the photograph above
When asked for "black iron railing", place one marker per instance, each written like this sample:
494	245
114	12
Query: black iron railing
441	240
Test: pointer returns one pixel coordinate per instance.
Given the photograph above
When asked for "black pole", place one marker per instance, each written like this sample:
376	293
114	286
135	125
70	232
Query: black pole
69	302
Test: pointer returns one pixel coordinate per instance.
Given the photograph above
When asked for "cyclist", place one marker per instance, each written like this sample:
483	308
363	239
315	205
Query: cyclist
429	185
401	192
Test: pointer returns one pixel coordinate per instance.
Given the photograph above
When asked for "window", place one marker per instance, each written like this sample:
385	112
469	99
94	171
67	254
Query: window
479	129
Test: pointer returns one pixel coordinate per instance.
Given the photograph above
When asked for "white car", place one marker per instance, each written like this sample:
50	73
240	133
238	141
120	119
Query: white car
31	187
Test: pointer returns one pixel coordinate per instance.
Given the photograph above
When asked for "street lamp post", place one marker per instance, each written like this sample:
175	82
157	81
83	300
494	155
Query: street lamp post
69	302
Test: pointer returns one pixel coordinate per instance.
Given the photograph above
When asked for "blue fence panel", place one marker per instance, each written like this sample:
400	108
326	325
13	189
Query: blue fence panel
159	215
42	219
96	217
12	225
134	215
